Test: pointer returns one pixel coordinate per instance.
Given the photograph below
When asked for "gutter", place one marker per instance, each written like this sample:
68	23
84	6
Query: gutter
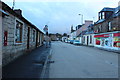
4	12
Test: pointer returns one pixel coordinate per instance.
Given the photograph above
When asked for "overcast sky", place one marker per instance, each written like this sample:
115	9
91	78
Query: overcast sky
60	14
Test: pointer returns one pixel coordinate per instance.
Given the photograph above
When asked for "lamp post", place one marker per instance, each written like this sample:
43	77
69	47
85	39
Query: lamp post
93	20
81	18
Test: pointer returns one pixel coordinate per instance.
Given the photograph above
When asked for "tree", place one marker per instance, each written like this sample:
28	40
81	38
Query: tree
65	34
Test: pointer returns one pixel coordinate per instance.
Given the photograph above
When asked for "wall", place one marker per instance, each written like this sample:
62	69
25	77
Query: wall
0	44
115	24
88	39
13	50
32	44
73	35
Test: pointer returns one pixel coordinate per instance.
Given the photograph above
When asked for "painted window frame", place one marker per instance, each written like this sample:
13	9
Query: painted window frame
16	19
109	25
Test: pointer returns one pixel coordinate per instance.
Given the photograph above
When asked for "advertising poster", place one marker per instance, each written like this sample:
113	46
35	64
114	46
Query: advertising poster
116	40
102	39
108	40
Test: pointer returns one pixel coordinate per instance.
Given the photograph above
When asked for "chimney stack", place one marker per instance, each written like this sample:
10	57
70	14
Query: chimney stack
18	11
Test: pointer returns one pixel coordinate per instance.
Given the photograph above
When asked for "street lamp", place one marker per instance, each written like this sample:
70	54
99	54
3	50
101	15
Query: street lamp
81	18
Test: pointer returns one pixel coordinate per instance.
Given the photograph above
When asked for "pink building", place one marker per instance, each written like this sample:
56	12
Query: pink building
84	27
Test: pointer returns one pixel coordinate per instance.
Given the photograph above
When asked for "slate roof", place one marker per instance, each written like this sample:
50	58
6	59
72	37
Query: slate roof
107	9
5	8
116	12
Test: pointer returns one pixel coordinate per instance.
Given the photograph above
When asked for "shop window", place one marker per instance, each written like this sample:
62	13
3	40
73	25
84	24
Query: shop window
90	39
18	33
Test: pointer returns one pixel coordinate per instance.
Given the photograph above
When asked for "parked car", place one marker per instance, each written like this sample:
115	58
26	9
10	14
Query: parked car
76	42
66	41
71	41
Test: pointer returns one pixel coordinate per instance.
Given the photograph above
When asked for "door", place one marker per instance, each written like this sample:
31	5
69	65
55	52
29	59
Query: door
87	40
28	38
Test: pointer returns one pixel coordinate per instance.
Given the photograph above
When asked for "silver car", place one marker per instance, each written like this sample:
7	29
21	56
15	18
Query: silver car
76	42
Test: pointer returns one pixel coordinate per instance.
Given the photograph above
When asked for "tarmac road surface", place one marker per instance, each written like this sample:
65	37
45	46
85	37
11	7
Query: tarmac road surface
82	62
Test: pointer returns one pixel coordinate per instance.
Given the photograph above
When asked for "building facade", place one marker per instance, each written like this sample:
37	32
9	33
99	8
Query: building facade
107	29
18	34
88	37
80	32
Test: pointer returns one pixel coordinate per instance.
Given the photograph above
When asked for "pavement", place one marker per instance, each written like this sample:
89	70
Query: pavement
28	66
73	61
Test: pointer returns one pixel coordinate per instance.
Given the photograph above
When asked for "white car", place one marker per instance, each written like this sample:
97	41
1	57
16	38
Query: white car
76	42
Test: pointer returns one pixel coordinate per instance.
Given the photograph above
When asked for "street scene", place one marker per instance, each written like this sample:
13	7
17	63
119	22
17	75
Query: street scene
59	39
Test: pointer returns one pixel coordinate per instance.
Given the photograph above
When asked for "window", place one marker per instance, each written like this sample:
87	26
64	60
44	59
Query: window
90	39
84	39
99	16
103	15
33	35
18	33
100	28
109	26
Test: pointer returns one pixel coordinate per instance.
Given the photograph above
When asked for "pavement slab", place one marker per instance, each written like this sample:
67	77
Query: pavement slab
27	66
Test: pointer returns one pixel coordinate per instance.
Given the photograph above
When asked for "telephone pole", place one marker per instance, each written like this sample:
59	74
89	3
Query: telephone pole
13	4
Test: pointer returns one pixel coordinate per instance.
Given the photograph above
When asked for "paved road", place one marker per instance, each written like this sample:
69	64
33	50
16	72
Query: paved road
82	62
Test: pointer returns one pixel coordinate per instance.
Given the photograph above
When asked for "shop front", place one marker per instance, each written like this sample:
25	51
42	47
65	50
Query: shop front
109	40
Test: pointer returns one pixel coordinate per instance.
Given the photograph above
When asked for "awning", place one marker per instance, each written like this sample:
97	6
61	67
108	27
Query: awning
116	34
4	12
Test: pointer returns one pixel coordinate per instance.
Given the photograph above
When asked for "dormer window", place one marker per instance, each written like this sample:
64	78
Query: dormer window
101	15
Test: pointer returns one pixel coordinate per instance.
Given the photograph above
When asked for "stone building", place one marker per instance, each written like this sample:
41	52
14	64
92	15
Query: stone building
108	20
107	29
18	34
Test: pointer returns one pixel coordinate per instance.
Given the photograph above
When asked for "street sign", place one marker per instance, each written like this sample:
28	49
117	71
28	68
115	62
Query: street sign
46	28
